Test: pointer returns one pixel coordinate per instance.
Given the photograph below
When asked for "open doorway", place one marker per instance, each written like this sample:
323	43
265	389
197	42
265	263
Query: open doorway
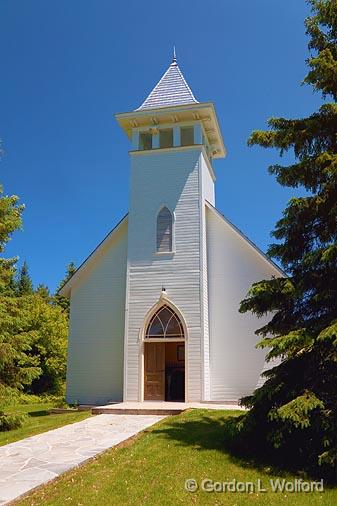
164	357
164	368
175	371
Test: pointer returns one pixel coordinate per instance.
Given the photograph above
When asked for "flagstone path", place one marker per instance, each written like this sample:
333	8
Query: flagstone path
33	461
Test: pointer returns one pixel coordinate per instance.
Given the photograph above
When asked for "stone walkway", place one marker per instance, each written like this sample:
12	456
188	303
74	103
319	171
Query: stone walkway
33	461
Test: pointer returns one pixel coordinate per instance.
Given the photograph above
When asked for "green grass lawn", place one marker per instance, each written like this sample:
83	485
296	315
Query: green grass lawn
152	469
38	420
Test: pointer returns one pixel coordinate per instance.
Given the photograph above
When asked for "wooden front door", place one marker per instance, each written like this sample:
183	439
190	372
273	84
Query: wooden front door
154	372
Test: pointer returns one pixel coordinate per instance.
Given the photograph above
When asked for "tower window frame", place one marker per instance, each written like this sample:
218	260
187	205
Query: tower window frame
164	231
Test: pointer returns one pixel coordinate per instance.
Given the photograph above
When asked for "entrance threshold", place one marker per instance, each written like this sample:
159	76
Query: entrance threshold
157	407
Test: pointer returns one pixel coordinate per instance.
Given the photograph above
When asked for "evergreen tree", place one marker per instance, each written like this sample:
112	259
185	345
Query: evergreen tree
10	220
64	302
43	291
24	285
293	416
11	287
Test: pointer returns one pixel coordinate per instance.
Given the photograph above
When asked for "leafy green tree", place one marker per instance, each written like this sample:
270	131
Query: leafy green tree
64	302
33	344
24	284
10	220
50	345
33	330
293	416
18	365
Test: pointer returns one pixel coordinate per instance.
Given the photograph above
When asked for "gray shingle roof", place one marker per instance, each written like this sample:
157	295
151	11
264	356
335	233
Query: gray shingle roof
172	89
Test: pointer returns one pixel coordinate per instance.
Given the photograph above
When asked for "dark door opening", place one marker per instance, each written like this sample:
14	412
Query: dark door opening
175	371
164	360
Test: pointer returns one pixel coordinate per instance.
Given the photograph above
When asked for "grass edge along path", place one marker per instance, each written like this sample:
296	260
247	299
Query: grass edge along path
151	469
38	420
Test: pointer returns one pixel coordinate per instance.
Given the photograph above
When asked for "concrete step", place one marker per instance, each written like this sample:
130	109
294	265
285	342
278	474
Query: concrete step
99	410
163	408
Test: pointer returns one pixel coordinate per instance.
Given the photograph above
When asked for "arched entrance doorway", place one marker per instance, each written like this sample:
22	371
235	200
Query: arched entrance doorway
164	357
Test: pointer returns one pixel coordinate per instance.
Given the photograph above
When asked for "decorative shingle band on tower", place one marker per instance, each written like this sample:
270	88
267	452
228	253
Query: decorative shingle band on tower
172	89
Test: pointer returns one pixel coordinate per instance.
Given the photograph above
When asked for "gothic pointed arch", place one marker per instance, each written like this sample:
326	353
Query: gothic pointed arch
164	233
165	303
165	324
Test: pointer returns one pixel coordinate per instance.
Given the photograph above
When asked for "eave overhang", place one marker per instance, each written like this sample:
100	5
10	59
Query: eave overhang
151	118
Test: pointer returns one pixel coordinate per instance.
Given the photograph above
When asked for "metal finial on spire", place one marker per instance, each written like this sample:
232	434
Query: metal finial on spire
174	59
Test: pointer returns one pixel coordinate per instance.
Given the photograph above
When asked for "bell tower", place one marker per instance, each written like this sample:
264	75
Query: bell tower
174	141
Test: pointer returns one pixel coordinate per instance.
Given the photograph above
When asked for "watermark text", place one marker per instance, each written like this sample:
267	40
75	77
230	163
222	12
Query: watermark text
248	487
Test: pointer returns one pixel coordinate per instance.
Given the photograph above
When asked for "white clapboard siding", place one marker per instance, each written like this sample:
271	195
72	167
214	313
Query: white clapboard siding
233	265
172	179
206	194
96	336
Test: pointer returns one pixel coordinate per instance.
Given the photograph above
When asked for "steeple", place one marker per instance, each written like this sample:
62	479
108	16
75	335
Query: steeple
171	90
174	59
171	109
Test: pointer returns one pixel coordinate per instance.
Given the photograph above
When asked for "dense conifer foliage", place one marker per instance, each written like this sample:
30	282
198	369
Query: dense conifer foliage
293	416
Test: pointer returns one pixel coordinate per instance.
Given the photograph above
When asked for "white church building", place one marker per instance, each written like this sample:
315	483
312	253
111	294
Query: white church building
154	308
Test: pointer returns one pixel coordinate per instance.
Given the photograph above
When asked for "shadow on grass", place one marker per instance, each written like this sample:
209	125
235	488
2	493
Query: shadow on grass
38	413
207	433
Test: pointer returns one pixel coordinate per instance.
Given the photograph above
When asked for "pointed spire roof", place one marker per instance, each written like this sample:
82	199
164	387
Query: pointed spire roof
171	90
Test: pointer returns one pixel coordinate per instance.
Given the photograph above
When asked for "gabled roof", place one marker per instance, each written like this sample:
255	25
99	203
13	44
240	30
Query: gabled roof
171	90
66	288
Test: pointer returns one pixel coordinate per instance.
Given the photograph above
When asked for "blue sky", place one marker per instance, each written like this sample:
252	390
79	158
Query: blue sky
68	66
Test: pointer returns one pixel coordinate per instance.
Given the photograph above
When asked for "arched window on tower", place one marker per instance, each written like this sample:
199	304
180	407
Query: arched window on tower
164	230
